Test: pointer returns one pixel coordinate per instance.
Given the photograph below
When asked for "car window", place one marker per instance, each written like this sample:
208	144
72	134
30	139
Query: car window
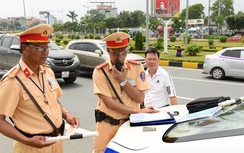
81	46
54	46
92	48
15	41
232	53
228	123
104	46
6	42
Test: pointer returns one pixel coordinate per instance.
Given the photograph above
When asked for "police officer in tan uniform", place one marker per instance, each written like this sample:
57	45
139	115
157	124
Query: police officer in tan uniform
31	128
130	82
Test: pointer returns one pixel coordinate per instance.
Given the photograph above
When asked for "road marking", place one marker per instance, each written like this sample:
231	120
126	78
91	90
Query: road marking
218	82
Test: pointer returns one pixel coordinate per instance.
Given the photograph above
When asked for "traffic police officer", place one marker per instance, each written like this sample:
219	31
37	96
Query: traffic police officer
129	81
31	128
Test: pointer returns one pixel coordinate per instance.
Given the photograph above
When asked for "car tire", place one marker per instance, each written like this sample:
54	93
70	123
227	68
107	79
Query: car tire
70	79
218	73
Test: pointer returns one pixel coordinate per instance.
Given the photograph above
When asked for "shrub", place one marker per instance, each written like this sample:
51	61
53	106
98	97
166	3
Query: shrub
210	42
71	36
189	38
193	49
223	39
60	36
159	44
91	36
172	39
86	36
57	40
77	37
66	41
97	37
139	41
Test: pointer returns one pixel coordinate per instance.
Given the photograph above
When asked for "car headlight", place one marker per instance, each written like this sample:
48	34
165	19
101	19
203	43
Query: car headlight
76	59
48	62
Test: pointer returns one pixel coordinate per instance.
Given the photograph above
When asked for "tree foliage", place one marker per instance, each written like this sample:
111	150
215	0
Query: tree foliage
226	9
195	11
72	15
235	22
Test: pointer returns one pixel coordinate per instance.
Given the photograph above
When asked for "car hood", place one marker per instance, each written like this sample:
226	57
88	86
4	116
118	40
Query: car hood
60	54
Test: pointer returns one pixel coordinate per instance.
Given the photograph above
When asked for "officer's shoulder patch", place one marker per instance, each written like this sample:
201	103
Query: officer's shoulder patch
134	62
45	65
13	72
101	65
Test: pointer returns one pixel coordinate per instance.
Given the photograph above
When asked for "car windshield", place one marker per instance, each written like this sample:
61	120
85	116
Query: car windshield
104	46
53	46
228	123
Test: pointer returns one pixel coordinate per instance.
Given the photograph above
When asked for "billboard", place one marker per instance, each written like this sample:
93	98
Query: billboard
165	8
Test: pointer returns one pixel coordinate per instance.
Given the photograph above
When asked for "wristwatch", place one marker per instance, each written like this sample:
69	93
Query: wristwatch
123	83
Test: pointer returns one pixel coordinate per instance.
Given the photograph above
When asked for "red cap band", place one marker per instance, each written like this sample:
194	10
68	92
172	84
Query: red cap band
34	38
114	44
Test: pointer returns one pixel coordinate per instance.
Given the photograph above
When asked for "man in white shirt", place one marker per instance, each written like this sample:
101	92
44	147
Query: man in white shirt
162	91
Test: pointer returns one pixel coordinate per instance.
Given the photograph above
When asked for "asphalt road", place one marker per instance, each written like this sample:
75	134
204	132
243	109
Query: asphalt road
79	99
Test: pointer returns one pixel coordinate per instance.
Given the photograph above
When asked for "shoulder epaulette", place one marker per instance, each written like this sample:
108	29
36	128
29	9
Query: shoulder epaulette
13	72
134	62
45	65
101	65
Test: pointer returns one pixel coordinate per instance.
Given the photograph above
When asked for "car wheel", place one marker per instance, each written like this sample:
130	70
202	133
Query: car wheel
70	79
218	73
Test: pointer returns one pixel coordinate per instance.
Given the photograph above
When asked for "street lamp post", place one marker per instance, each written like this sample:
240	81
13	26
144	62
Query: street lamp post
147	29
186	36
24	14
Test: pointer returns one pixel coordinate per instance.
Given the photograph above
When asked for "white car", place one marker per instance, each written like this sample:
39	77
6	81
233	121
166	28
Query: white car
227	62
93	52
223	133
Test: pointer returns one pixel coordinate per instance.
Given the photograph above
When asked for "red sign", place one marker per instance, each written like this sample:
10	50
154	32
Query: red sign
167	8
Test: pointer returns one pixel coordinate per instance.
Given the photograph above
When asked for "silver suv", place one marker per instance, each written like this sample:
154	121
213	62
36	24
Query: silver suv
93	52
64	64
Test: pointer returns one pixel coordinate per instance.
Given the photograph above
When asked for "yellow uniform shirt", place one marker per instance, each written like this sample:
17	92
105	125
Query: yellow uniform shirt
135	75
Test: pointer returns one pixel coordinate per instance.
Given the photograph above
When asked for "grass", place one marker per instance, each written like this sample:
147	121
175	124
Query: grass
199	58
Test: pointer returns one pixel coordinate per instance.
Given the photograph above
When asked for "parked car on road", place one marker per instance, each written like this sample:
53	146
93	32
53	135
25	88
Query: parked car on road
93	52
227	62
64	64
214	134
235	39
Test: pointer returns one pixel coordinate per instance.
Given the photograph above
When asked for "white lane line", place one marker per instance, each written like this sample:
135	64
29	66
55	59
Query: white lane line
218	82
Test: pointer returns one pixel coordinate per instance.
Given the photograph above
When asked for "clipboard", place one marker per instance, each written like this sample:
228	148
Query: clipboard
169	119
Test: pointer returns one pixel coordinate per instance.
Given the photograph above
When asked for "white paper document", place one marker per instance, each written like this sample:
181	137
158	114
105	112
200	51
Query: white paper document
208	113
146	117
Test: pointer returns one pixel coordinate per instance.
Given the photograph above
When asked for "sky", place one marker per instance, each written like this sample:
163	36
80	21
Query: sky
60	8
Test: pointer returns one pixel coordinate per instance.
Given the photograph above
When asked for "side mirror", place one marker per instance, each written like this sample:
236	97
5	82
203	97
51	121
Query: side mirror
15	47
99	52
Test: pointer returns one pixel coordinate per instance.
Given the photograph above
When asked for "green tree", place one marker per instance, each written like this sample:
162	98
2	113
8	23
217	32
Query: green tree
178	25
72	15
153	23
221	9
195	11
235	22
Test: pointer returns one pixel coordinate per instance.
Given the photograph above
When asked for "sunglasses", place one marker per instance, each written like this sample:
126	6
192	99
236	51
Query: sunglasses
39	48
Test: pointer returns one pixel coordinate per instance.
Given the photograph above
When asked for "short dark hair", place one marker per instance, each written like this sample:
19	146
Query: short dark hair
152	50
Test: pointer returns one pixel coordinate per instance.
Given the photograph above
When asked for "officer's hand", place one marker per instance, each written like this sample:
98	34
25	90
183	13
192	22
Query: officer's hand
119	75
39	142
72	120
149	110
